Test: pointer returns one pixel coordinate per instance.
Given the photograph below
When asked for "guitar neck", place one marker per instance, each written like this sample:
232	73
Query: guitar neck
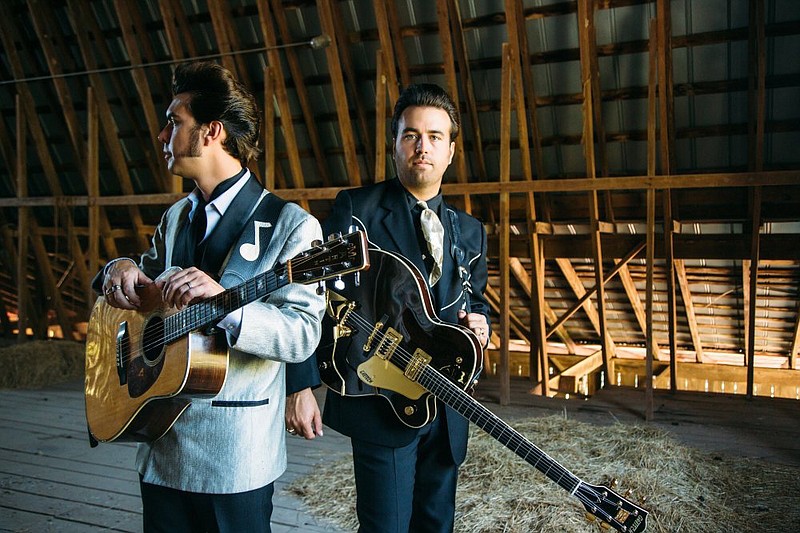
213	309
435	383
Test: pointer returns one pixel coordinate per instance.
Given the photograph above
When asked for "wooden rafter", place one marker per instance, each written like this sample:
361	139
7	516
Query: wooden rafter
128	16
282	98
639	310
339	92
540	310
505	229
586	39
445	36
524	279
688	306
44	25
351	79
110	130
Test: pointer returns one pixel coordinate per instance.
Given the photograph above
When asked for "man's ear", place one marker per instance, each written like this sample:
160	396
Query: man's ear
452	151
215	131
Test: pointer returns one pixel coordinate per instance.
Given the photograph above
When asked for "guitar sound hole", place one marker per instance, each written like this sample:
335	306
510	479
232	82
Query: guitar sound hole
153	340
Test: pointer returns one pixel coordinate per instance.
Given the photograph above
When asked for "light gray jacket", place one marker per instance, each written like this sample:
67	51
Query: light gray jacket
240	446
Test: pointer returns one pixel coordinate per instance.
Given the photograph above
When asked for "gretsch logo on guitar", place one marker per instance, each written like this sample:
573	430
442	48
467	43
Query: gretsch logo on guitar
144	367
391	343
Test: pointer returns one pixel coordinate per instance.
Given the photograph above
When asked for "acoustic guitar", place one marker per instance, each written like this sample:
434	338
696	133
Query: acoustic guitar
144	367
392	344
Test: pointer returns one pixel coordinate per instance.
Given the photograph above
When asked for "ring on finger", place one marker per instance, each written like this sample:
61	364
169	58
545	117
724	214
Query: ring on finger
291	431
112	289
189	284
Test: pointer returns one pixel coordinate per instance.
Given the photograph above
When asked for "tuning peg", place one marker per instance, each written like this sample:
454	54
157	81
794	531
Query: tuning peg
315	243
320	288
590	517
334	236
338	284
628	493
613	483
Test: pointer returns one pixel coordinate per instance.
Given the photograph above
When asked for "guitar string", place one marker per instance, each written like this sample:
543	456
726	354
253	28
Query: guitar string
466	401
175	326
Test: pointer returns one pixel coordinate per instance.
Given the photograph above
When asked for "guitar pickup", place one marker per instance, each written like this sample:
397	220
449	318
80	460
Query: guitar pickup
388	344
417	364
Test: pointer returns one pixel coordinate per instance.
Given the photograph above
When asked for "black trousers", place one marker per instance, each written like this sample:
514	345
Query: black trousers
407	490
167	510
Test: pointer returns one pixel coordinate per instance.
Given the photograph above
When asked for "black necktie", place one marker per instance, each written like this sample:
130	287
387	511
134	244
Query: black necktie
199	221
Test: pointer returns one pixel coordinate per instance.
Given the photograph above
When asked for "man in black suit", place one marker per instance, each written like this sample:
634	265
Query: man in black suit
406	477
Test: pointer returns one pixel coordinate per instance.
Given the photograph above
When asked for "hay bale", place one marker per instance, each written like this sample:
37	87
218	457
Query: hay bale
36	364
686	490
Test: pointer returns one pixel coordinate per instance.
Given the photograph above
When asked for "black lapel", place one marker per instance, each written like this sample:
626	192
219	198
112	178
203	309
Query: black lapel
227	231
398	224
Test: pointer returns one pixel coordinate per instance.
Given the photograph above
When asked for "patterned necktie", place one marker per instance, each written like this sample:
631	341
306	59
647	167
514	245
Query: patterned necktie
434	234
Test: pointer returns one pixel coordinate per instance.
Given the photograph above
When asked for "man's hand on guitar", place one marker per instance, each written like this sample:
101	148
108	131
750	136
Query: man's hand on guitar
302	414
122	285
185	286
477	323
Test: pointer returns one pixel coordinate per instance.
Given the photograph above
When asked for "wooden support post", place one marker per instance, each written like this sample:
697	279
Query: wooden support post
23	229
93	189
269	129
505	229
380	116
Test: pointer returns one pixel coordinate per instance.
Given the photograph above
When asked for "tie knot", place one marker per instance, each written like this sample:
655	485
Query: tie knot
423	204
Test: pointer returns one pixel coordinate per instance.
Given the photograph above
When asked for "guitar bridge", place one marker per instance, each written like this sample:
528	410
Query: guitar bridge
388	344
417	364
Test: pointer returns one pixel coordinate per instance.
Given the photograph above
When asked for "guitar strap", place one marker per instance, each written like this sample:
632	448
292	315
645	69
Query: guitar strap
459	256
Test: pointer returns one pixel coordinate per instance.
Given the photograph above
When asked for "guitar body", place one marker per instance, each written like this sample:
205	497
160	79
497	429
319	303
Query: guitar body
401	305
144	367
390	343
136	385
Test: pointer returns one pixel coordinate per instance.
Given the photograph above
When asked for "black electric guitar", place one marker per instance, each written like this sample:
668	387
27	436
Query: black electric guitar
392	344
144	367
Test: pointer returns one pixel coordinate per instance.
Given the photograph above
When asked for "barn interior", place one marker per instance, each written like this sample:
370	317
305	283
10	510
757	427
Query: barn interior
634	163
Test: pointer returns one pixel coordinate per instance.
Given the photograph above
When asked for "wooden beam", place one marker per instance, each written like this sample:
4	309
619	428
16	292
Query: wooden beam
110	130
44	25
279	16
688	306
93	182
23	222
585	37
638	309
127	14
577	305
387	45
445	37
276	68
524	279
269	129
339	92
505	230
652	81
380	116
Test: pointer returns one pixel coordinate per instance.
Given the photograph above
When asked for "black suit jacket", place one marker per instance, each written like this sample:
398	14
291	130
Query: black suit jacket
382	211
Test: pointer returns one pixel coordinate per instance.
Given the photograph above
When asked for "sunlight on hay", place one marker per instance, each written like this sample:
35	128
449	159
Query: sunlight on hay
35	364
685	490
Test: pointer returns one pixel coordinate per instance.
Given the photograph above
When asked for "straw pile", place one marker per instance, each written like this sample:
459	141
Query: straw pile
36	364
685	490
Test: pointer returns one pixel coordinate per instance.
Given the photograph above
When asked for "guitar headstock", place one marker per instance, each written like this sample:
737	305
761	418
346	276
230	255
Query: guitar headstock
611	508
338	256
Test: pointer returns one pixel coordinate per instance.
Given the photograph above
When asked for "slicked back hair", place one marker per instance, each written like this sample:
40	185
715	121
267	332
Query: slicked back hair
216	95
426	95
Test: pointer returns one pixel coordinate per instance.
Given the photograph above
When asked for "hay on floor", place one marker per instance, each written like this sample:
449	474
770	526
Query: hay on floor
36	364
685	490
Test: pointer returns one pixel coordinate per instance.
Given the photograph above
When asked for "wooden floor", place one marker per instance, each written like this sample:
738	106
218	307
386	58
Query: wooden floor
51	480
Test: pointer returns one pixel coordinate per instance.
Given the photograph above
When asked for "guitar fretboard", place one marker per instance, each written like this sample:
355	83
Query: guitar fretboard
434	382
212	309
